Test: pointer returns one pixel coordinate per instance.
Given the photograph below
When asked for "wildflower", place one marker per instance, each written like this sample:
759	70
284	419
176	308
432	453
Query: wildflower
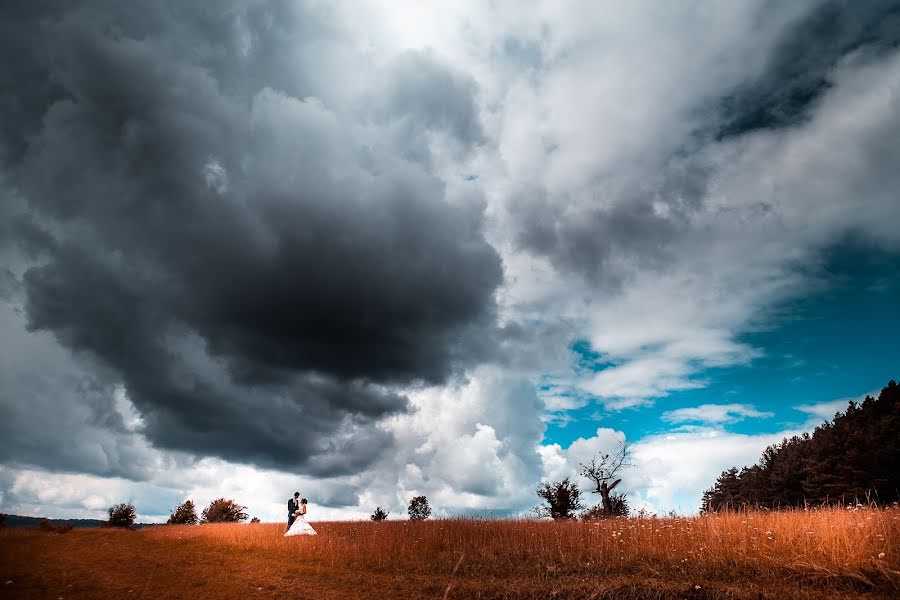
881	555
697	587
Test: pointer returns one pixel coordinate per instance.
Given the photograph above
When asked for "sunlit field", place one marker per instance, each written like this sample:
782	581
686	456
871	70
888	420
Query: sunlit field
834	553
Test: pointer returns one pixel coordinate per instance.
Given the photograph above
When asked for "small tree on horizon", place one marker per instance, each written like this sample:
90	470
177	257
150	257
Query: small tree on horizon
419	510
255	520
603	470
184	514
223	510
563	499
121	515
380	514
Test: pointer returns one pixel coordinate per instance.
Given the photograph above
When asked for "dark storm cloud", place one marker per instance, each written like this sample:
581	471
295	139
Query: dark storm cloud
633	217
800	65
425	95
217	224
632	227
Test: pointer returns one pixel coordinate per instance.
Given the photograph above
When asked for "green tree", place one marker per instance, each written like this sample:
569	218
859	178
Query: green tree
419	509
121	515
380	514
562	498
852	458
184	514
222	510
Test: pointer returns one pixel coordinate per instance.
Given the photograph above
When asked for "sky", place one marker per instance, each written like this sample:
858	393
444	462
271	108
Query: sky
374	249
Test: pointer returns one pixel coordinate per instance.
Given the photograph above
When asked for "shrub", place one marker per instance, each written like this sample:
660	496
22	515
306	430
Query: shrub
418	509
562	498
223	510
619	508
184	514
121	515
380	514
255	520
48	526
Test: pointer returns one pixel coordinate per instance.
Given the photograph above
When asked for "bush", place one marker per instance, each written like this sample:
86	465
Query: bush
47	526
380	514
562	498
255	520
418	509
223	510
184	514
2	520
121	515
619	508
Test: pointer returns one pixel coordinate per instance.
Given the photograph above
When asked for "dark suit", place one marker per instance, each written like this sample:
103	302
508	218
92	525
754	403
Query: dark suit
293	505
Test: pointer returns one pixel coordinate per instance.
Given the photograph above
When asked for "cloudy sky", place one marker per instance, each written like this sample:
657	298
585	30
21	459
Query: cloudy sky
370	249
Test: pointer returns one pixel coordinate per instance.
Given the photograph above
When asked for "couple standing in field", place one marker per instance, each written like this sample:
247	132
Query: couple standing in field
297	524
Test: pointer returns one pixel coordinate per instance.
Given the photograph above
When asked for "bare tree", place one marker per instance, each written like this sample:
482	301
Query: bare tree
603	470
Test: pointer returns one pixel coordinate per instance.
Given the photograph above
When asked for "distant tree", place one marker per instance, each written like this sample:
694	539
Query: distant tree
380	514
563	499
2	520
223	510
603	471
184	514
418	509
121	515
255	520
50	527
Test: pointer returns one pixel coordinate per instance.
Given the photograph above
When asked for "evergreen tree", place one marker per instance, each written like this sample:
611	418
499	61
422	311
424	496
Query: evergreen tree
855	457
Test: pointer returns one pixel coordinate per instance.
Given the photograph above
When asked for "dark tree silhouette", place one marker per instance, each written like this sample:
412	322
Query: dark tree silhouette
418	508
603	470
563	499
121	515
255	520
380	514
223	510
855	457
619	509
184	514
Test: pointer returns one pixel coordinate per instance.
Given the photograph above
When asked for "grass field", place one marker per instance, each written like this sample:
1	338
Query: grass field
779	555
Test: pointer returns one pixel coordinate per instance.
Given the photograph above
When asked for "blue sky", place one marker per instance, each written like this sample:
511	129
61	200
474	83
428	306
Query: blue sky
837	342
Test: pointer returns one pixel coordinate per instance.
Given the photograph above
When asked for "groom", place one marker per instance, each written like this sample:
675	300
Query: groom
293	506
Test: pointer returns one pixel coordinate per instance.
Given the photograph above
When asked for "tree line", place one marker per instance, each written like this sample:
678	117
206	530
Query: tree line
224	510
853	458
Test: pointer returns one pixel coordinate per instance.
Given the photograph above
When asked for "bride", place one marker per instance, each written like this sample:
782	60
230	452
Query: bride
300	526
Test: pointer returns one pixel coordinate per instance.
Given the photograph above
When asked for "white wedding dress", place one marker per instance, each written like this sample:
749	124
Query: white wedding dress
300	527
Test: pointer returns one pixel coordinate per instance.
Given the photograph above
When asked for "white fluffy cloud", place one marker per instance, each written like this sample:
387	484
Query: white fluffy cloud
715	413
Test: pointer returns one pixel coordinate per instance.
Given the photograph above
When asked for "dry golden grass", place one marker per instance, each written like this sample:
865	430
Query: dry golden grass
817	554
